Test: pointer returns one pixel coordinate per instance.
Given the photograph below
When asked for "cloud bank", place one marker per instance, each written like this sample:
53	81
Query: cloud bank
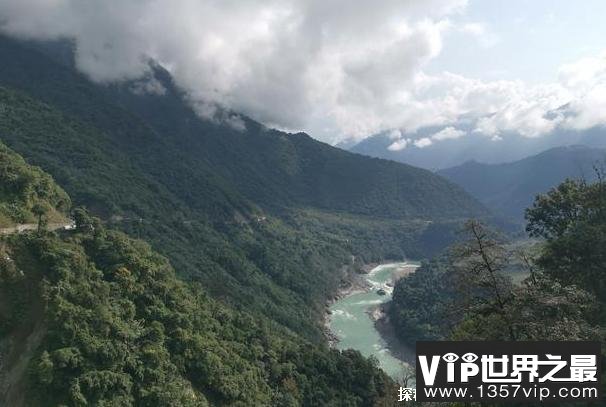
349	68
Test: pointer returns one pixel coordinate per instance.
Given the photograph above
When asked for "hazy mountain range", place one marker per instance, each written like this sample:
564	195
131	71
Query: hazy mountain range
509	188
466	145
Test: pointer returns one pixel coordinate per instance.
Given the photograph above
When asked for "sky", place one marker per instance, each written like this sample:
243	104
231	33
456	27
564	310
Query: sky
345	69
523	39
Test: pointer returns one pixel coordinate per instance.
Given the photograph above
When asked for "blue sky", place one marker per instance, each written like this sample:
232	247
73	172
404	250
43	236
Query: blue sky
523	39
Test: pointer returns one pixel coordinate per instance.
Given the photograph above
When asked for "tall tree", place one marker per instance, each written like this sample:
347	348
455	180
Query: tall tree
572	220
40	210
479	262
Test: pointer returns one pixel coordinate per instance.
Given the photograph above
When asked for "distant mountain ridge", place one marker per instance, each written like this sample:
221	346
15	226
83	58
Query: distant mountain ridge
509	188
472	146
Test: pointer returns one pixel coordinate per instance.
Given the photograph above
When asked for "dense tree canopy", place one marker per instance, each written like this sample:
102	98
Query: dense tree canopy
572	220
108	323
26	192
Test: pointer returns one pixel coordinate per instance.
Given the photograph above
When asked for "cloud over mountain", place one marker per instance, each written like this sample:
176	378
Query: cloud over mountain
338	69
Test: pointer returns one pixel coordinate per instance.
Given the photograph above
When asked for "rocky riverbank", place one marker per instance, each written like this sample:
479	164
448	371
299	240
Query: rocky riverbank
356	281
353	282
380	316
385	328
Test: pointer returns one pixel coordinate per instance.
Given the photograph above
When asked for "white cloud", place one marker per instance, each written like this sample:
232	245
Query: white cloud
288	63
448	133
586	79
352	68
399	144
577	101
588	110
423	142
583	73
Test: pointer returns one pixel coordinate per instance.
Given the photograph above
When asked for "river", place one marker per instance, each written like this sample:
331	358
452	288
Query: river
350	320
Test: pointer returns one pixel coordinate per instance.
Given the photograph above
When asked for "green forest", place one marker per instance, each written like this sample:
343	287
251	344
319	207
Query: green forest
468	292
473	291
93	317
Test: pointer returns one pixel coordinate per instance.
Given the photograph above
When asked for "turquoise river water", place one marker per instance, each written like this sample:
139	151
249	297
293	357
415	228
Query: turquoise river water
351	322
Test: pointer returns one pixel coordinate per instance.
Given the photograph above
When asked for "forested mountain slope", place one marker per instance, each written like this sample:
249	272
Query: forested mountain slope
26	192
276	169
99	318
263	219
92	317
511	187
237	259
232	152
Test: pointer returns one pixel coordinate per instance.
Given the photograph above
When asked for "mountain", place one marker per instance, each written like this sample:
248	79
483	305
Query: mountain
273	169
90	316
250	233
472	146
265	220
511	187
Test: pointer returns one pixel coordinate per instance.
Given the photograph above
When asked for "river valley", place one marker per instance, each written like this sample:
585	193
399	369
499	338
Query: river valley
352	318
